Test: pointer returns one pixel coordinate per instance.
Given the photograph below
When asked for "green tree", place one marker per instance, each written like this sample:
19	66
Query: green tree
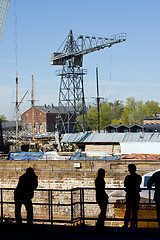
151	108
128	111
3	118
116	109
133	112
115	113
92	117
140	112
105	114
115	122
108	112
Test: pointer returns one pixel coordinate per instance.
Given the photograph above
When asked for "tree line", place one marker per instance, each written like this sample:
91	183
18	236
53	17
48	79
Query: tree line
115	113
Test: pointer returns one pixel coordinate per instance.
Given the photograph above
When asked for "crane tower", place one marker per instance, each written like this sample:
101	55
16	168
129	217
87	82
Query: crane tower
71	92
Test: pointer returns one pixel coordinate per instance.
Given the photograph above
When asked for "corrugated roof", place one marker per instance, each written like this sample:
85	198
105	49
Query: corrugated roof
74	137
110	137
104	137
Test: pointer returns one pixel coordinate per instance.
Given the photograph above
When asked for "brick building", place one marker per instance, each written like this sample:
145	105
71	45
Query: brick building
44	118
152	120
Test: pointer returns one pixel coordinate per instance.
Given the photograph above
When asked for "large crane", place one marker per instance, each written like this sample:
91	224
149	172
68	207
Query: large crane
4	5
71	93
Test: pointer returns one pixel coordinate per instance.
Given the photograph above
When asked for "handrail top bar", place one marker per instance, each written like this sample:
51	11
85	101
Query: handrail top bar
78	188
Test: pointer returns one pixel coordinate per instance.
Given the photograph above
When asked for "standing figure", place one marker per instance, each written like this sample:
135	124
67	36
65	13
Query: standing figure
23	194
155	178
132	184
101	197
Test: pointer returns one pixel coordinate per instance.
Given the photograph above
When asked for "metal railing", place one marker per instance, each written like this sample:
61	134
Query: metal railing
71	206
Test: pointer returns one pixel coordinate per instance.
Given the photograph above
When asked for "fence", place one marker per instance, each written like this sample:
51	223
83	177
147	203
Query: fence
78	205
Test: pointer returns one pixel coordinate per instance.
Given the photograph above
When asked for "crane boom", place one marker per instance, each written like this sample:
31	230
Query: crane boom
82	45
4	5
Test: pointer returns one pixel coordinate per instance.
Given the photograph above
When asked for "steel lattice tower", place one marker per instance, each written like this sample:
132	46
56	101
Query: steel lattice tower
72	107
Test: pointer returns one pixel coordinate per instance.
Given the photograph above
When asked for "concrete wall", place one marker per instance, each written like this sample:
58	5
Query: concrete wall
110	149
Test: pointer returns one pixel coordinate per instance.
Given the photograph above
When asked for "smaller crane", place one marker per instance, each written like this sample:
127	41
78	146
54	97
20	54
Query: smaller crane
4	5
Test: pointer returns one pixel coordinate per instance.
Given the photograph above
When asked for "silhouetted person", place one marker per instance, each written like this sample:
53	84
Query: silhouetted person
101	197
155	178
132	184
23	194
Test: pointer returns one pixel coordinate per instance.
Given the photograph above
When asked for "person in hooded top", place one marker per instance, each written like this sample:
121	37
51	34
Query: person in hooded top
132	184
24	193
155	179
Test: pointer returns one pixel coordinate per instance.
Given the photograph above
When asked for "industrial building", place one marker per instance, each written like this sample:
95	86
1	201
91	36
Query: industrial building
11	126
115	143
133	128
44	118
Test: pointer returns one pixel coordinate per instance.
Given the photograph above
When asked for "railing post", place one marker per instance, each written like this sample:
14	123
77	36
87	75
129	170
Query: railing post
49	202
82	205
149	196
71	206
82	200
81	217
51	208
1	206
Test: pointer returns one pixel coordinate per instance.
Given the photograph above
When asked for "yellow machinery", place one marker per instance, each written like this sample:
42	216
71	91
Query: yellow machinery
4	5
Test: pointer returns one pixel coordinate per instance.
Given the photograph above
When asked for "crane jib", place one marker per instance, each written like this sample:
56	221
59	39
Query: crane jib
84	45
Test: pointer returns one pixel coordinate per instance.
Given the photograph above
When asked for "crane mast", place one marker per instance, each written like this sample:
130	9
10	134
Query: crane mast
4	5
71	92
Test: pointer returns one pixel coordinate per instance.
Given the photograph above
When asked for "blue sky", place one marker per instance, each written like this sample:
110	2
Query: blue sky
126	69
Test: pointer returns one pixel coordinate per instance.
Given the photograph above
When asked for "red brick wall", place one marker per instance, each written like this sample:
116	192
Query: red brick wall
39	120
39	116
151	121
43	122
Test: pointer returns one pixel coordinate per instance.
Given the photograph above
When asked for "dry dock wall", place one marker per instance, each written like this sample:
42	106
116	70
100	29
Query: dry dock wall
64	175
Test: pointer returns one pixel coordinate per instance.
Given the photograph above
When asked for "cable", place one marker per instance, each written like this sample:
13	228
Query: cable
15	31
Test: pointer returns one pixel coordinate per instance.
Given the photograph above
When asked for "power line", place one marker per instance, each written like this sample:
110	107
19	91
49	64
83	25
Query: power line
15	32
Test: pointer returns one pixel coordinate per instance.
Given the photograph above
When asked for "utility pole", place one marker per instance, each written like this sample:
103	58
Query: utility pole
32	103
17	106
16	109
98	99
